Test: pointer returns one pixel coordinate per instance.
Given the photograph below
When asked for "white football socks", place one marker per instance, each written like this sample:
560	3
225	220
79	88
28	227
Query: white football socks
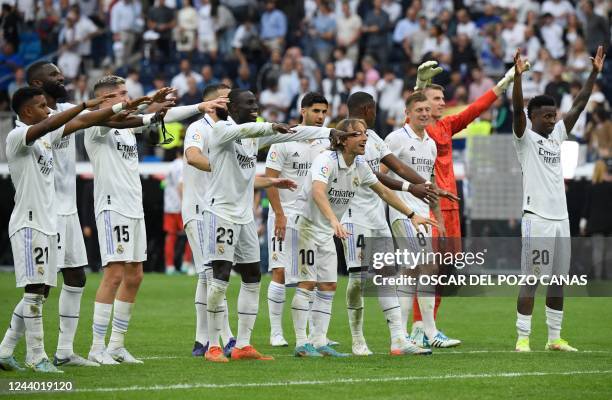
354	305
69	309
122	313
101	319
276	303
321	314
523	325
215	308
299	312
201	334
554	319
14	332
405	296
248	306
427	302
34	333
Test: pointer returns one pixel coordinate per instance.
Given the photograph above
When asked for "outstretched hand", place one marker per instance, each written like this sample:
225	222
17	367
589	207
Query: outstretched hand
417	221
520	65
133	104
92	103
284	183
598	60
161	94
211	105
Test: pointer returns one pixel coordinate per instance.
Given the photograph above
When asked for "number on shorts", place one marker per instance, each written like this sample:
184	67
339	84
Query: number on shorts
280	243
360	241
39	252
421	239
221	234
540	257
123	235
307	256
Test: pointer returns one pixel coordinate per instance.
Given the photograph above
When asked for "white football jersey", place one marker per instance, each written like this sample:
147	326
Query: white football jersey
420	154
114	156
343	182
195	181
293	160
367	209
543	184
172	195
64	158
32	173
233	158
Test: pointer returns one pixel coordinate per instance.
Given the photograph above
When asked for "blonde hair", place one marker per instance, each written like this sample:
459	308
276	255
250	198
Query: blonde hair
599	172
346	125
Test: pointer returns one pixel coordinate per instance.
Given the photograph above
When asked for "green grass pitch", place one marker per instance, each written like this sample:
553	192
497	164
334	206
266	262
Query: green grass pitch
484	366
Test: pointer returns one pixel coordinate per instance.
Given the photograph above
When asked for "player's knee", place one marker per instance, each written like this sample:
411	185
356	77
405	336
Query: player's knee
74	277
278	275
113	275
327	286
307	285
133	276
221	270
250	273
38	288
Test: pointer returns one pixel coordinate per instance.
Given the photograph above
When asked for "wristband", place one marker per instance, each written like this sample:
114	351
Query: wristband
117	108
428	182
142	107
406	187
146	119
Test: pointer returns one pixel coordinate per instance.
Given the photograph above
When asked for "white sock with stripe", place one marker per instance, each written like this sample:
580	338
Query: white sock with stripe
321	314
122	313
101	319
405	296
354	305
215	308
34	333
300	311
226	331
69	309
426	297
201	334
387	298
248	306
14	332
276	303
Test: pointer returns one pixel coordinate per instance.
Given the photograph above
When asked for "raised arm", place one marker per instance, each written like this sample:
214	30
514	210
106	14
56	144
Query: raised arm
519	120
582	98
319	195
86	120
300	132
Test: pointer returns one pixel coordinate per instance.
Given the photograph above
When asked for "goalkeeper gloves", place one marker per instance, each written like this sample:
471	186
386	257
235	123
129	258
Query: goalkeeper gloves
425	73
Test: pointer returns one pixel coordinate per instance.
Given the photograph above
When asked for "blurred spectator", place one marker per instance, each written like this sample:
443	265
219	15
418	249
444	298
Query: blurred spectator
69	60
437	45
244	80
578	60
501	115
489	17
360	84
288	81
246	43
597	27
433	9
597	99
532	43
376	26
81	90
270	70
47	24
390	93
192	96
161	19
225	24
273	26
566	104
9	21
596	219
345	68
186	31
513	36
126	23
464	57
348	31
371	73
406	27
573	30
552	33
179	82
85	30
396	116
9	62
18	83
207	37
393	10
332	89
296	103
480	84
273	100
159	82
208	77
133	85
323	33
418	39
599	133
535	84
559	9
465	25
557	87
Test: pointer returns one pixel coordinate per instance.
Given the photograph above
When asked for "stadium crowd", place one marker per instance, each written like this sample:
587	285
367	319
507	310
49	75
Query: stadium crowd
280	50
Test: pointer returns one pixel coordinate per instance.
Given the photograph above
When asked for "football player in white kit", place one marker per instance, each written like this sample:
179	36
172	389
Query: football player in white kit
365	218
413	145
228	215
545	225
33	224
333	180
71	256
289	160
120	219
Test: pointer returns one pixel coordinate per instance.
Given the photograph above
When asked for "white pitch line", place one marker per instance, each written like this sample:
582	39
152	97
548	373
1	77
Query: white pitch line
338	381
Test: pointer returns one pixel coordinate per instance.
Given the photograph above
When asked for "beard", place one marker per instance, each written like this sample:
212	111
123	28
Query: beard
222	113
55	90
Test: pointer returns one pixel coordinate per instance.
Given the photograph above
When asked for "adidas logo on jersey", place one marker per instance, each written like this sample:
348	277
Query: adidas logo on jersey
116	132
412	148
540	142
296	154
